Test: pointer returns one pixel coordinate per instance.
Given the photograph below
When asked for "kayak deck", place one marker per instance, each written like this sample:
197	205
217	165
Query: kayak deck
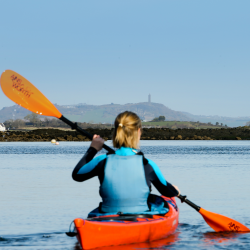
111	230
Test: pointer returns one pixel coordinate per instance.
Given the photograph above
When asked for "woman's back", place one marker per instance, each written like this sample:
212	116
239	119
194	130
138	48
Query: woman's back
124	188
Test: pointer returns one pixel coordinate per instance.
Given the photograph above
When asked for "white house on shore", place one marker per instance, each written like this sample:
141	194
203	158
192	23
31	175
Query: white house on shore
2	127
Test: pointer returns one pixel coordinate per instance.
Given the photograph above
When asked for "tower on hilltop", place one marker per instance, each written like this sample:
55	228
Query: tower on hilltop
149	98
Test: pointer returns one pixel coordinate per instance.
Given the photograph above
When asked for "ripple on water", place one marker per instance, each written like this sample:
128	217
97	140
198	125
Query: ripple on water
44	195
187	236
79	148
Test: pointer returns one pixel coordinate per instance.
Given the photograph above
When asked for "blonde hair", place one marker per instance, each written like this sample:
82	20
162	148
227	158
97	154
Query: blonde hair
125	134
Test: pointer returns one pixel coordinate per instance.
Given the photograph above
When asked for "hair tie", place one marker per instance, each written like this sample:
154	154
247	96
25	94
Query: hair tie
120	124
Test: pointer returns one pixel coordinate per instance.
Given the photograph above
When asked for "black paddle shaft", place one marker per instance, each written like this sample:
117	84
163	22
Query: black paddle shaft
190	203
74	125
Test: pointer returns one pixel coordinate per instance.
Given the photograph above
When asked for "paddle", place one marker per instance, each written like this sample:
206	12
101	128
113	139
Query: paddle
25	94
218	222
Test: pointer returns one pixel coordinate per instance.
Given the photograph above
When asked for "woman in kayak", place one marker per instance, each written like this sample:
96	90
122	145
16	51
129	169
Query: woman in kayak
125	176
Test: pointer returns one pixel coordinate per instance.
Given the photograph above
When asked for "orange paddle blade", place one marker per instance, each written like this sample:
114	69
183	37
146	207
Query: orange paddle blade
25	94
222	223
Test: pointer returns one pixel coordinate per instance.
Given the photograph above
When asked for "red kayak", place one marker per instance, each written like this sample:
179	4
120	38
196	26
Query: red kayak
115	230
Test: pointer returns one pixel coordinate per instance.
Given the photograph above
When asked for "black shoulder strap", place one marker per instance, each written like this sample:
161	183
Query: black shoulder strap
145	161
110	153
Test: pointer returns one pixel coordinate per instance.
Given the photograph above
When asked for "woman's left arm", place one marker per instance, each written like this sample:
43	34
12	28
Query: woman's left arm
158	180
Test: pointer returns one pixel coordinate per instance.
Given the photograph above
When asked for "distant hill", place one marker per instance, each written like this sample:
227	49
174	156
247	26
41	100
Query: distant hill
101	113
229	121
107	113
14	112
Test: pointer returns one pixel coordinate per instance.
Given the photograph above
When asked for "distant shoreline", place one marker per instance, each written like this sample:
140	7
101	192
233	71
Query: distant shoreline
240	133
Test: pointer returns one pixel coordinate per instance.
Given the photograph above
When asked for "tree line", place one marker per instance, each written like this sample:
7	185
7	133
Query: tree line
32	120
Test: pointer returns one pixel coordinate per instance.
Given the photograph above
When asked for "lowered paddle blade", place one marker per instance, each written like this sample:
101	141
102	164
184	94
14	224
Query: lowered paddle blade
222	223
25	94
219	223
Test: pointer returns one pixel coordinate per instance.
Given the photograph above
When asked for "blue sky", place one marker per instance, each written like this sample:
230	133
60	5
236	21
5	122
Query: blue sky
192	56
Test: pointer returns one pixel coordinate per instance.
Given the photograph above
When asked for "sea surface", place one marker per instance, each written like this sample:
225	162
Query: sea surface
39	199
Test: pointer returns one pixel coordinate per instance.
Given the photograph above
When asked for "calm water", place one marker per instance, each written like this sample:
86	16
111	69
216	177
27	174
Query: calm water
38	198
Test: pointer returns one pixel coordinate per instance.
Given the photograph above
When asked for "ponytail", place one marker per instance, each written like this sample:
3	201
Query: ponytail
125	134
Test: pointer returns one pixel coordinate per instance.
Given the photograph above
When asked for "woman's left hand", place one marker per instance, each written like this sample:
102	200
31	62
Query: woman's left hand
97	142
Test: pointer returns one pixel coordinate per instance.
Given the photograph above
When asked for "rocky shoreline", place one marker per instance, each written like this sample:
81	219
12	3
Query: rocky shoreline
240	133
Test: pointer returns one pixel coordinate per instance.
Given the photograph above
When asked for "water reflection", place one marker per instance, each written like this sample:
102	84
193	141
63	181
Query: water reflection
222	238
158	244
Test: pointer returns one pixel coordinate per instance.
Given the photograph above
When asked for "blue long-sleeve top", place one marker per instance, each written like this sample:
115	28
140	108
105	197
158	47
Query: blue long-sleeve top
89	167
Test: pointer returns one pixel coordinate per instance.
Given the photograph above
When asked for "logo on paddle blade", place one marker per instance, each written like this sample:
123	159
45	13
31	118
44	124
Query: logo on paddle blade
233	227
19	86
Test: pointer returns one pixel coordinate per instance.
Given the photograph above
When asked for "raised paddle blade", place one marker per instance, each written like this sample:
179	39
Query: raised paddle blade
222	223
25	94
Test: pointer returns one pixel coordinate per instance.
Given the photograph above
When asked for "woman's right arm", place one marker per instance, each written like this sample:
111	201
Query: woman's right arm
87	167
89	155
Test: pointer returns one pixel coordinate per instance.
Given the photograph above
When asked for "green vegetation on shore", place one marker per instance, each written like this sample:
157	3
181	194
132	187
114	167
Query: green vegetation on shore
160	122
180	124
32	121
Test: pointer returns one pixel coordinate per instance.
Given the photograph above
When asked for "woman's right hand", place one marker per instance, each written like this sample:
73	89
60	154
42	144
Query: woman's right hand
97	142
179	192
